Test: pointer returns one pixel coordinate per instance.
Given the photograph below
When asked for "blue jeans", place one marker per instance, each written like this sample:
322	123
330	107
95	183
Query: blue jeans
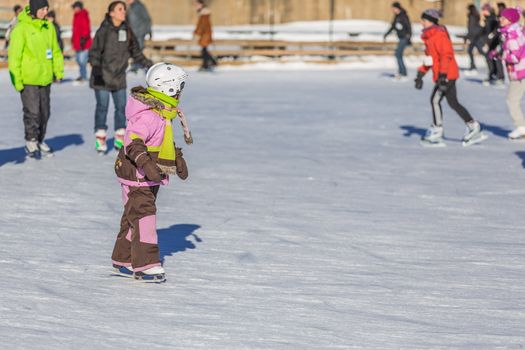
82	60
101	111
403	43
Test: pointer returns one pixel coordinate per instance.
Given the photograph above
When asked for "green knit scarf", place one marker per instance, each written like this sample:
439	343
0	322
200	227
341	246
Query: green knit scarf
167	152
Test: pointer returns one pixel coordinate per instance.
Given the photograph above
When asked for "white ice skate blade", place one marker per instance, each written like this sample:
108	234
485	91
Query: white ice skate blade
480	138
518	139
158	279
428	144
400	80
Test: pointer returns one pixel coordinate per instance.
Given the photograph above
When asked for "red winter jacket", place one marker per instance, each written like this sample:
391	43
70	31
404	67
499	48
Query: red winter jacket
439	47
81	39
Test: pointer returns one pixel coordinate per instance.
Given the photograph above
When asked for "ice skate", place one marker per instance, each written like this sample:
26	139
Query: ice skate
517	134
100	143
32	150
473	134
79	82
119	138
472	72
433	137
155	274
45	150
498	84
398	78
123	271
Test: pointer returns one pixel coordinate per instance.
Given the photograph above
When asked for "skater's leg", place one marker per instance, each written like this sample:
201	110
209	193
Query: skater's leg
122	251
514	96
435	101
470	52
82	60
500	72
45	110
101	110
119	100
204	53
491	67
31	109
141	212
452	99
403	43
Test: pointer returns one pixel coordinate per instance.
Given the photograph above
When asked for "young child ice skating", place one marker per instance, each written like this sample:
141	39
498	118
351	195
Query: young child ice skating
143	164
440	58
514	58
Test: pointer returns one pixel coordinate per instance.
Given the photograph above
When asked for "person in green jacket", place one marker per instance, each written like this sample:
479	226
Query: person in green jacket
35	60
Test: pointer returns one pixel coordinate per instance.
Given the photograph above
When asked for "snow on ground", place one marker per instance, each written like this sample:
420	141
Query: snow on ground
352	29
312	219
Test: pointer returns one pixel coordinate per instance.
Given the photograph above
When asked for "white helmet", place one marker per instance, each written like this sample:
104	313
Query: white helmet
166	78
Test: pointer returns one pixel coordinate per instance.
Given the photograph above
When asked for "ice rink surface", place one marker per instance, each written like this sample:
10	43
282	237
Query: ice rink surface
312	219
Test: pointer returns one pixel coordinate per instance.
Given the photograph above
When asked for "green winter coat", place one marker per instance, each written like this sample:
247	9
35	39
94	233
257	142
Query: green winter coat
34	55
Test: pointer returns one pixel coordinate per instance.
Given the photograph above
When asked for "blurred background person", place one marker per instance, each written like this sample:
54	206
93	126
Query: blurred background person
81	39
51	17
474	35
401	24
34	61
139	21
203	34
501	6
492	39
114	44
16	9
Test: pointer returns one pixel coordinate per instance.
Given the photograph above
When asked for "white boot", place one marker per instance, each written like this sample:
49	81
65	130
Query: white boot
124	271
32	148
517	133
433	134
100	142
473	134
119	138
45	150
154	274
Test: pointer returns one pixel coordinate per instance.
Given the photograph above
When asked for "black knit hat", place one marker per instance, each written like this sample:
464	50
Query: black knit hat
78	4
431	15
35	5
397	5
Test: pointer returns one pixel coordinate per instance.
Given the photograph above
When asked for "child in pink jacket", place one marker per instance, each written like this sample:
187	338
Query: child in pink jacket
143	164
513	56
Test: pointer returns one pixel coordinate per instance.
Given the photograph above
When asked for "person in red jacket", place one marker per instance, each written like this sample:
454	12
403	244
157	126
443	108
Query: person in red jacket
81	39
441	60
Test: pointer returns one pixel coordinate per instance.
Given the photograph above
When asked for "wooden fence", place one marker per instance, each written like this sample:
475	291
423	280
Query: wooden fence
187	53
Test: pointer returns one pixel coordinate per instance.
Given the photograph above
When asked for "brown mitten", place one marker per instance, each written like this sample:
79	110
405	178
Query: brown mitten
182	169
152	171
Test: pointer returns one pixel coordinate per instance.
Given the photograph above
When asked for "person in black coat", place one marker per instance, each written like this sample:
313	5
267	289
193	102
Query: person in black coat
492	39
114	44
474	34
51	17
403	28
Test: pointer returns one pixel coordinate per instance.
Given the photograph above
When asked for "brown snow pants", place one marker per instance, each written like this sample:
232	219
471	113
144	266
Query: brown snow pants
137	242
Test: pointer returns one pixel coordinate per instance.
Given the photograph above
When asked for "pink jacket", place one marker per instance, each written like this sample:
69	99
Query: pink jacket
514	50
143	122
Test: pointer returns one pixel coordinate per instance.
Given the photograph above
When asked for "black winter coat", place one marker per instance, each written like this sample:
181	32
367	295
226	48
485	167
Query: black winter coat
139	19
401	24
474	28
490	31
109	55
